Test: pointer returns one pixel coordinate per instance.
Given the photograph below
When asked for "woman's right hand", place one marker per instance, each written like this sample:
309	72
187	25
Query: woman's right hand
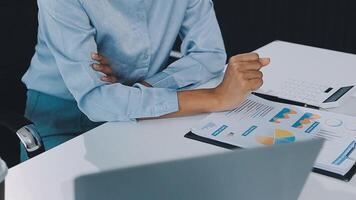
103	66
242	76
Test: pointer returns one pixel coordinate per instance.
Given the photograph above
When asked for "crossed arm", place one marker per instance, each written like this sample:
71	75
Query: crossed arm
242	76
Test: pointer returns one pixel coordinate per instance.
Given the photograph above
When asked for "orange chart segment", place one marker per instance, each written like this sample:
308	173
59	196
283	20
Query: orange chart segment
266	140
279	137
283	134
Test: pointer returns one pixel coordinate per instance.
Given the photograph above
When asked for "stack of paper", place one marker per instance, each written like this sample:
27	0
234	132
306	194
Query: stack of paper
258	122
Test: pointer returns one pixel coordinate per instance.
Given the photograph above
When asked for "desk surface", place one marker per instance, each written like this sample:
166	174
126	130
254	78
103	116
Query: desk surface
121	145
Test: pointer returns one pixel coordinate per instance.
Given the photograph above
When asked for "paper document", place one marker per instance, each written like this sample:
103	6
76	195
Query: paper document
258	122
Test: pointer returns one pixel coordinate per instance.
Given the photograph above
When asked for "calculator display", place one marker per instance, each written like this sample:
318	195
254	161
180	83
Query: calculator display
338	94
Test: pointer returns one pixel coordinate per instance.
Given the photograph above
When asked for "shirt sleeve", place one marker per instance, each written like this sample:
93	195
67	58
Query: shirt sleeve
70	36
203	50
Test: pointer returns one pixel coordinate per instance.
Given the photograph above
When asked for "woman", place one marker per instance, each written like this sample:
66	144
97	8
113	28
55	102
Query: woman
70	93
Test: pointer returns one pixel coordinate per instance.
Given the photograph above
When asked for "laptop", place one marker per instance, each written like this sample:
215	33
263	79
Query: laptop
278	172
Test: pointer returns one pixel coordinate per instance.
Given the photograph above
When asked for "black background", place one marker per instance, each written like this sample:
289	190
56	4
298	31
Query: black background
246	25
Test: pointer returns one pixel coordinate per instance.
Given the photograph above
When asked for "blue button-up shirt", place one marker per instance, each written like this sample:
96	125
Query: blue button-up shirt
137	37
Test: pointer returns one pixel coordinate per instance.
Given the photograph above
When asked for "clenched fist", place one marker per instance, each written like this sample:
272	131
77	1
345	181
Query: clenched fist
242	76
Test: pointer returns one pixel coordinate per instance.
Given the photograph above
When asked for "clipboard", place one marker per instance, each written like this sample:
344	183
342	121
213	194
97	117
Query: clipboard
347	177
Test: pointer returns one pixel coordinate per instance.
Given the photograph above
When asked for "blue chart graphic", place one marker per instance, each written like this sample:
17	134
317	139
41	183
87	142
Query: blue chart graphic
250	130
305	120
220	130
283	115
344	155
312	127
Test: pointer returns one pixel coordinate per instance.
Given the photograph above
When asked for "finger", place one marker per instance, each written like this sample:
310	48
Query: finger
104	60
265	61
255	84
103	68
114	79
109	79
247	66
245	57
97	57
252	75
255	65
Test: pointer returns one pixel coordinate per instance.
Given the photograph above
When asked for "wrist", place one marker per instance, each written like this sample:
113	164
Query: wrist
146	84
216	101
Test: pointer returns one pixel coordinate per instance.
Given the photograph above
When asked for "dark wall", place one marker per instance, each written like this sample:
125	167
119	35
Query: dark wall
18	36
249	24
17	40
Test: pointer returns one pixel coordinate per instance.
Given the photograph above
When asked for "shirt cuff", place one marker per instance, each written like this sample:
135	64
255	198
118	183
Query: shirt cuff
155	102
162	80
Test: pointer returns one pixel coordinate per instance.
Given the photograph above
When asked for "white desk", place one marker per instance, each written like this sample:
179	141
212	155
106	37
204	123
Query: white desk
120	145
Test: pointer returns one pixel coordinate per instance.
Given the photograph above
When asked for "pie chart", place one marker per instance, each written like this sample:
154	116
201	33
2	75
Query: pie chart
334	122
279	137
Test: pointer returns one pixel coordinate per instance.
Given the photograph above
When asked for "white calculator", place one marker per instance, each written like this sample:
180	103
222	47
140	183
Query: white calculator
311	93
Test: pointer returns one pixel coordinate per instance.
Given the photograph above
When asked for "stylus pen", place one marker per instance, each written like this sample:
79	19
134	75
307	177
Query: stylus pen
286	101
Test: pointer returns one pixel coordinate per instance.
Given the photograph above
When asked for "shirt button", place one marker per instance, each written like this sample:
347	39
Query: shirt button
141	16
146	56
